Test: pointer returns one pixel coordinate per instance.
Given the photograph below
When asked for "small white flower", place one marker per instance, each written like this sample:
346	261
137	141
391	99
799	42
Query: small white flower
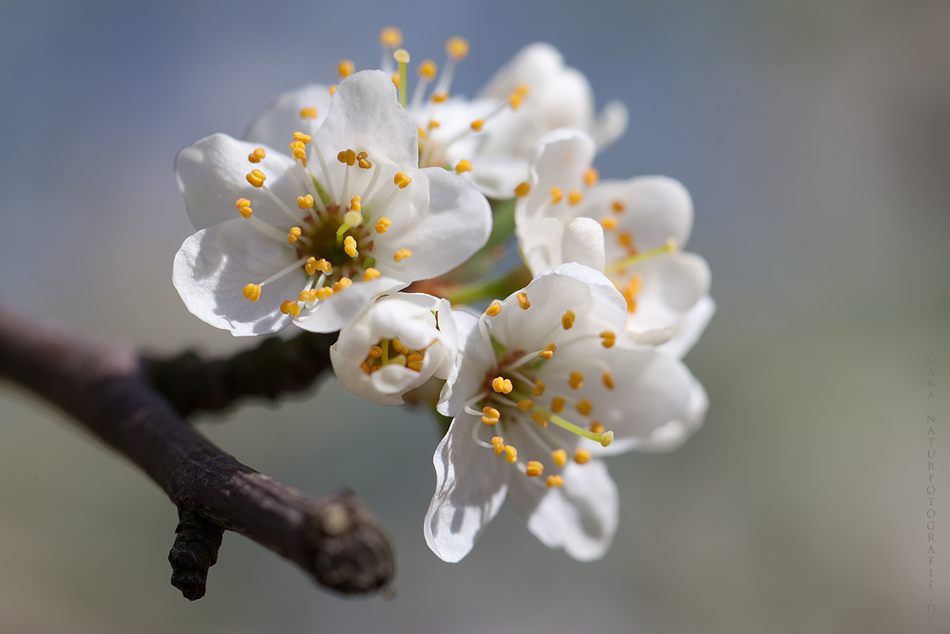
395	346
631	230
542	386
347	217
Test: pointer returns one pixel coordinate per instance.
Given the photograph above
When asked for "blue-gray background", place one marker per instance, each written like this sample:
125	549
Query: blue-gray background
815	139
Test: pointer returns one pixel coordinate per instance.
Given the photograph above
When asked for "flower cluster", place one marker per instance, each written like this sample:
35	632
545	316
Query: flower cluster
380	192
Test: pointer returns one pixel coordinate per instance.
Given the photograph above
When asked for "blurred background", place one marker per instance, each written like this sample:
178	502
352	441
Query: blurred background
814	136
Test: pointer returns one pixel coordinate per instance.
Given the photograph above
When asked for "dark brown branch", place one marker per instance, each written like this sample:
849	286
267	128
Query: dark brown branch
336	539
276	366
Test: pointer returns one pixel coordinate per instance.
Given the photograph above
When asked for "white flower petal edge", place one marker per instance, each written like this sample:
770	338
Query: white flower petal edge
560	96
396	345
351	211
277	122
561	384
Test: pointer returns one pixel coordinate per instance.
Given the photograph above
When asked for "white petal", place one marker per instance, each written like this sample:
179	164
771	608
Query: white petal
656	209
211	175
276	124
580	517
344	307
672	284
471	484
465	376
214	265
440	217
559	159
674	433
610	125
691	326
548	242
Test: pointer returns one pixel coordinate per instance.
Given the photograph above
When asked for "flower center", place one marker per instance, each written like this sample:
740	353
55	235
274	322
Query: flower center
390	351
519	392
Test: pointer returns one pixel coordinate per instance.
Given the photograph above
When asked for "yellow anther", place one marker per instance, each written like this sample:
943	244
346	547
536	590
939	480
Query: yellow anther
422	132
494	309
401	180
617	206
323	292
305	202
490	420
597	427
344	69
478	124
556	195
390	37
535	468
502	385
301	155
557	405
514	100
347	156
511	454
331	89
608	223
383	224
499	443
525	404
344	282
584	407
522	89
349	245
256	155
293	234
427	69
490	411
289	308
591	176
439	97
355	203
555	481
463	166
538	388
401	255
576	380
304	296
457	48
523	301
395	80
539	419
625	238
401	55
574	196
308	113
606	438
375	352
252	292
414	361
559	456
567	320
608	380
256	178
300	137
311	265
398	347
522	190
581	456
609	338
244	207
370	274
366	367
548	351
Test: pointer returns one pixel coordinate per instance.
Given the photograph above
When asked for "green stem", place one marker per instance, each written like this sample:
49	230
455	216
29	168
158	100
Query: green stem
492	289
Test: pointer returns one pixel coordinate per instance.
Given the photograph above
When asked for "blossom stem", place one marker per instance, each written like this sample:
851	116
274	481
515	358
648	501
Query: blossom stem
613	267
499	287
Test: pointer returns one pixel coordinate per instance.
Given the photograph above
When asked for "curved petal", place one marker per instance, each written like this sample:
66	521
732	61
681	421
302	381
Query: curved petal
214	265
559	159
343	307
672	284
690	328
548	242
579	517
211	174
277	122
441	218
656	209
610	125
471	484
474	358
674	433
